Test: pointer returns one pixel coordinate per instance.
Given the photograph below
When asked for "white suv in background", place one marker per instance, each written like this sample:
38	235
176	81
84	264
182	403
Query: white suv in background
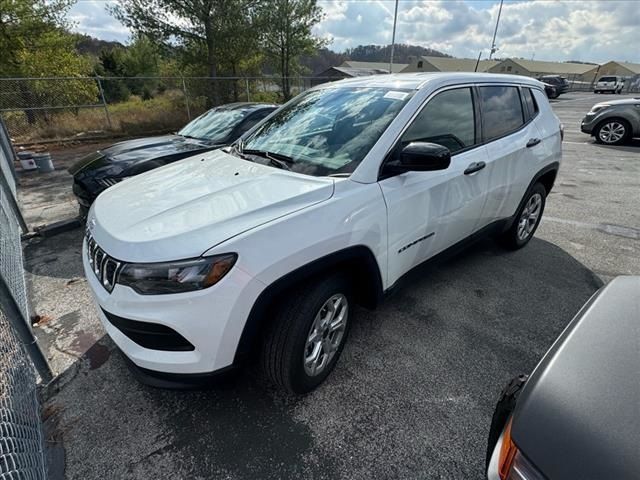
264	247
611	84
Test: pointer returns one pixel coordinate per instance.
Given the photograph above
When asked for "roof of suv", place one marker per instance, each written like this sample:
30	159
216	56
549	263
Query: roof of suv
419	80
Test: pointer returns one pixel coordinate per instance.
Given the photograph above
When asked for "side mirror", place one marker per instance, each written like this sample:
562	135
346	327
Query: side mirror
424	157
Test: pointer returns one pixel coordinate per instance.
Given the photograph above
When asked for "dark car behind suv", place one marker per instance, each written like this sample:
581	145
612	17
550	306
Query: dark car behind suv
215	128
561	84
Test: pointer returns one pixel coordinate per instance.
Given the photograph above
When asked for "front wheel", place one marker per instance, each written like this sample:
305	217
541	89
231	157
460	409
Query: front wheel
308	333
527	219
612	132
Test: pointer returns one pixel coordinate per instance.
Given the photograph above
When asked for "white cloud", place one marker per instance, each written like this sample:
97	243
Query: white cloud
553	30
598	30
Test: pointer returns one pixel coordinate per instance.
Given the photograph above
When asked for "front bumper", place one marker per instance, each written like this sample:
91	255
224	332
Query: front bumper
212	320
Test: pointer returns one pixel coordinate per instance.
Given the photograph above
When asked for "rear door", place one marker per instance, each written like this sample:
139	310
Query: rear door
430	211
511	139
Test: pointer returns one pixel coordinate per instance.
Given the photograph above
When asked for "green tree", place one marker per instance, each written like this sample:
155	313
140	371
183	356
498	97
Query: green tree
286	27
196	25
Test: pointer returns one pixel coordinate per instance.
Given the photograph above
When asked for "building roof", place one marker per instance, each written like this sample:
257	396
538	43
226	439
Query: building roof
634	67
413	81
447	64
352	72
397	67
538	66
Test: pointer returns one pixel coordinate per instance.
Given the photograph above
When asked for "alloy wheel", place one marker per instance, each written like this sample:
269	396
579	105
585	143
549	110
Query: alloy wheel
612	132
326	334
529	217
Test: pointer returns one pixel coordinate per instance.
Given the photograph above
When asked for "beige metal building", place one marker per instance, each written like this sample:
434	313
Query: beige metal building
447	64
623	69
397	67
582	72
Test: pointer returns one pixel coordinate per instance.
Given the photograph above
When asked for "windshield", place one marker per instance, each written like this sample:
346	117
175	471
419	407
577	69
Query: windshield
215	125
607	79
328	131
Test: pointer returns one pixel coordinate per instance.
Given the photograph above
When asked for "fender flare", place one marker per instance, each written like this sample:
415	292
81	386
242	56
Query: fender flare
369	293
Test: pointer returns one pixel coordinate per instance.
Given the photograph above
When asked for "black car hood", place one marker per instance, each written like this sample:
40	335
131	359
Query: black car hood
578	416
131	154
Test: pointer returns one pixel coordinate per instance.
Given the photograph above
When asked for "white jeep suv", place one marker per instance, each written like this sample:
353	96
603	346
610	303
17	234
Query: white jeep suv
264	247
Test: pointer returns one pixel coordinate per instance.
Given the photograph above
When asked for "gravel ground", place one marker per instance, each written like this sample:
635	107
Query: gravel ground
413	394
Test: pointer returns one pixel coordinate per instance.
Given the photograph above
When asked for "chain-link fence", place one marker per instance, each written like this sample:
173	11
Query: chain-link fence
21	434
39	109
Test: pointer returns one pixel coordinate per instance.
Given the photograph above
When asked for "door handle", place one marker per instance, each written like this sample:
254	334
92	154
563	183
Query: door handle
474	167
533	142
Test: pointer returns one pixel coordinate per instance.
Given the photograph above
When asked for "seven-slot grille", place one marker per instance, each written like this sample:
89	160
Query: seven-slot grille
104	267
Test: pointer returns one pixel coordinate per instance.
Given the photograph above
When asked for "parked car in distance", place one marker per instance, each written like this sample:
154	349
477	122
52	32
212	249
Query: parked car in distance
560	83
614	122
611	84
213	129
576	416
263	248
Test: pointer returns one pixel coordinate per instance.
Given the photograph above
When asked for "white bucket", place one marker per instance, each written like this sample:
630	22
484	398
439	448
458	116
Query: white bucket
43	161
28	164
26	161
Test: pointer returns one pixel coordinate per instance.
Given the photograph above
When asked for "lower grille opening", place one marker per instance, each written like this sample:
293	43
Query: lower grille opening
150	335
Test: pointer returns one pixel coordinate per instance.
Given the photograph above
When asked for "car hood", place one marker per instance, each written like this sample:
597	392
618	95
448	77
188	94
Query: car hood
624	101
578	416
123	155
183	209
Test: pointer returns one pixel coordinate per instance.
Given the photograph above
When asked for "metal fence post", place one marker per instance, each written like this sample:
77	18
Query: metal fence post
24	333
246	80
104	103
186	98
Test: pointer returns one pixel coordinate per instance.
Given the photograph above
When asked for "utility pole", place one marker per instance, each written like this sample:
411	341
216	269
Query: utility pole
493	42
393	37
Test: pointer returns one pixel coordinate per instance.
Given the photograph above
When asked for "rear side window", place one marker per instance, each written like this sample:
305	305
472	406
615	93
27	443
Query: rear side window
530	101
501	110
448	119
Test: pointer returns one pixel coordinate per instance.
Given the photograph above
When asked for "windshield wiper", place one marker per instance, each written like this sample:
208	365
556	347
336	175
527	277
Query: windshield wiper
276	159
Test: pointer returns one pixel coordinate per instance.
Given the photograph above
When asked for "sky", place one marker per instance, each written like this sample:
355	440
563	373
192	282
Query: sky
586	30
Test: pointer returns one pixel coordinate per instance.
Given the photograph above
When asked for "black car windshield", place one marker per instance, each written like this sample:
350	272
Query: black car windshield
328	131
607	79
215	125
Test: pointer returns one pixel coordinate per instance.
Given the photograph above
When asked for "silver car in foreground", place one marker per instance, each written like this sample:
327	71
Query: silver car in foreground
614	122
578	415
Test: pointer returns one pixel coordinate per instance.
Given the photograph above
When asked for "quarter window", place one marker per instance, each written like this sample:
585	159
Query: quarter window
532	106
501	111
448	119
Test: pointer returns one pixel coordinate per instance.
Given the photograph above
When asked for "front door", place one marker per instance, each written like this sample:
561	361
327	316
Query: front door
430	211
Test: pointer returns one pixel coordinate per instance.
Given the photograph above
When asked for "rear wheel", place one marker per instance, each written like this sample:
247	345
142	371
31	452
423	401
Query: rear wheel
527	219
306	338
612	132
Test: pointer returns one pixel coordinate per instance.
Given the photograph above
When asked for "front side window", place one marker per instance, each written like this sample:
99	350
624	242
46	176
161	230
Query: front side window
448	120
327	131
501	110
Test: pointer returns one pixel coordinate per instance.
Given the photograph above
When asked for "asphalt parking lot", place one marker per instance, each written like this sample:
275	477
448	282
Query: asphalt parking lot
414	391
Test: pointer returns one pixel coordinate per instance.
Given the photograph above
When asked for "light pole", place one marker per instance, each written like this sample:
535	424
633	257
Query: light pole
393	37
493	42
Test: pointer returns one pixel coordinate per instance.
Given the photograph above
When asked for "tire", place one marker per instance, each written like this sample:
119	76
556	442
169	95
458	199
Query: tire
525	223
612	131
288	340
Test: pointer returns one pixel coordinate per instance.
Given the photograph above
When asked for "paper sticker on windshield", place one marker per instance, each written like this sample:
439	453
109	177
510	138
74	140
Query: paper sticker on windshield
396	95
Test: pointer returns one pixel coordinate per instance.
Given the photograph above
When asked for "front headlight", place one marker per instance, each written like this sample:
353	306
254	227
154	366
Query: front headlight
597	108
511	463
176	277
